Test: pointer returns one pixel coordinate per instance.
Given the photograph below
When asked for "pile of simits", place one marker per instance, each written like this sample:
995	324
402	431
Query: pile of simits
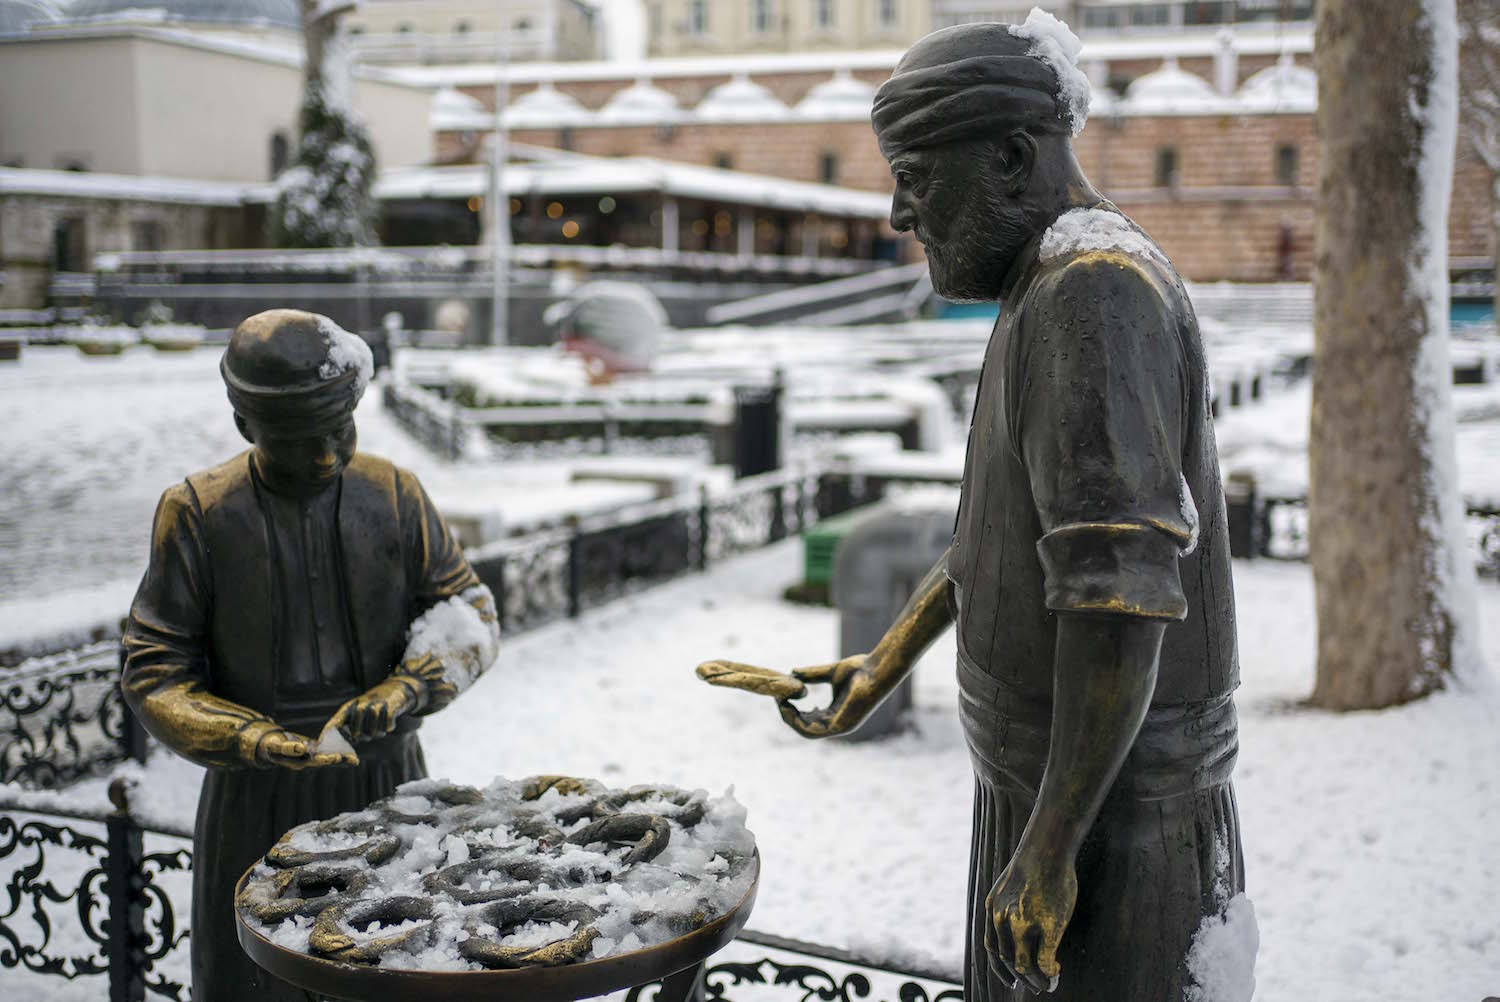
550	870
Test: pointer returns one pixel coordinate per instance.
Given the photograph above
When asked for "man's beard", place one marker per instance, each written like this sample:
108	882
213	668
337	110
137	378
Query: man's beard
971	264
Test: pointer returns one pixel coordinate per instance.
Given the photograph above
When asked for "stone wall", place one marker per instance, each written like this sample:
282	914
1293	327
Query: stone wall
28	228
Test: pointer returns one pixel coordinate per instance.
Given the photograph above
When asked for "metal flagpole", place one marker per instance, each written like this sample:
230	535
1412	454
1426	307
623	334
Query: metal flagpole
499	203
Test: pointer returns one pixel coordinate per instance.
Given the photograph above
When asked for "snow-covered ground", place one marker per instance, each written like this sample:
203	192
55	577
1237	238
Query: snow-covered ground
1369	837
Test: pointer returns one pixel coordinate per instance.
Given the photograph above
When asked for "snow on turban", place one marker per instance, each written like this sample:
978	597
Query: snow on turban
295	373
974	80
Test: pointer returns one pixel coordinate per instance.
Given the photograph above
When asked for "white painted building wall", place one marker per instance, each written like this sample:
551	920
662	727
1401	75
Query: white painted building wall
166	103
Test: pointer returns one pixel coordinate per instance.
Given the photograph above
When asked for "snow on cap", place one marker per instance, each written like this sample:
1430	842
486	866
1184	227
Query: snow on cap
345	351
976	80
1054	43
294	372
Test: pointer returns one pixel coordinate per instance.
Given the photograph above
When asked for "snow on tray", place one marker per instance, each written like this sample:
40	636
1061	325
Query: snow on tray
470	855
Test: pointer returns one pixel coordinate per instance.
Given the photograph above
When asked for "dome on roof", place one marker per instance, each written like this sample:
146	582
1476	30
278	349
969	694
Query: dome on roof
642	103
18	15
1283	87
543	108
740	100
1172	89
282	13
453	109
841	97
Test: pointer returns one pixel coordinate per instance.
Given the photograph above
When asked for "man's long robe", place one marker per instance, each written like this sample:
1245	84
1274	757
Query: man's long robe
1091	471
210	610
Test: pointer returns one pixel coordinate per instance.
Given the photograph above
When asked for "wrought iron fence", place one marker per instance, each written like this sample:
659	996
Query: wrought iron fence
1282	531
85	898
62	716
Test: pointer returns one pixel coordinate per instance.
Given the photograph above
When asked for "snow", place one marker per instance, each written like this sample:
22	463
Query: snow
453	626
704	868
1433	373
1081	230
640	103
121	187
740	100
1366	881
842	97
1054	43
1222	958
346	351
1189	509
544	108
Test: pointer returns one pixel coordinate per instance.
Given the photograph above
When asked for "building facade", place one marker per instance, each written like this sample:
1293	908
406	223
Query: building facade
721	27
154	101
454	31
1214	152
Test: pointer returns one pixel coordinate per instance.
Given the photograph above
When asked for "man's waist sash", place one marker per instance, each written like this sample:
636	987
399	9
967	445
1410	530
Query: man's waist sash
1181	748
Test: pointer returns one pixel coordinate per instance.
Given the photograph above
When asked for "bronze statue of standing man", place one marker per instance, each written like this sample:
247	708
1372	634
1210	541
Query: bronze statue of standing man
281	596
1089	576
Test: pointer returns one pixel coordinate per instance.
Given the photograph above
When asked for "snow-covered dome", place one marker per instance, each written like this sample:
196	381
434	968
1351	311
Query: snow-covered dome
18	15
1283	87
282	13
451	108
839	98
740	100
1172	89
642	103
544	108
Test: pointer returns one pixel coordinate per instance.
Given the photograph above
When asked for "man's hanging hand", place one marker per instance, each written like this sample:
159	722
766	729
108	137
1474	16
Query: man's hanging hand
1027	912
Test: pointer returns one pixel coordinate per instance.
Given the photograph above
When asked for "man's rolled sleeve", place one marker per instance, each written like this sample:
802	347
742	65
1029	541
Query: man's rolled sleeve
1100	413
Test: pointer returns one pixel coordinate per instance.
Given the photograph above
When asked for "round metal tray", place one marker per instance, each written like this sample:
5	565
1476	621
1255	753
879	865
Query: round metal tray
363	983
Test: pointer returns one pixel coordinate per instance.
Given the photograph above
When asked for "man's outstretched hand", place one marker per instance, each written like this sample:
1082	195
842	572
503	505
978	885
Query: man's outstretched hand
854	691
289	750
1028	910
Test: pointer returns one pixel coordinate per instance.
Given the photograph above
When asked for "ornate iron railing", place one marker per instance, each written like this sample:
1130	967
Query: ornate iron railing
84	898
62	716
1283	531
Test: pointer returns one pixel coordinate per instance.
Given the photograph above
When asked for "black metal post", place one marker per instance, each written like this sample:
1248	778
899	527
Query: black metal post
703	528
132	734
575	586
123	885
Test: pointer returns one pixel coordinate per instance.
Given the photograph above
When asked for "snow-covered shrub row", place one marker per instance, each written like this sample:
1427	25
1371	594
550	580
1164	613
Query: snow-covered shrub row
633	868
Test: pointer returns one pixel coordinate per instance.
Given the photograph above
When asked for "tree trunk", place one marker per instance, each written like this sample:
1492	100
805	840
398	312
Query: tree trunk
1394	586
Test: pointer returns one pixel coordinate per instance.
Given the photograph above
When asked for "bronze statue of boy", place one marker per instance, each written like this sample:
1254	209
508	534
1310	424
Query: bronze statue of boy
1089	575
280	592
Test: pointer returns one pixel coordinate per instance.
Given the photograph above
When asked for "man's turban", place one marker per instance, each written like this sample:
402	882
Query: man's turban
295	374
976	80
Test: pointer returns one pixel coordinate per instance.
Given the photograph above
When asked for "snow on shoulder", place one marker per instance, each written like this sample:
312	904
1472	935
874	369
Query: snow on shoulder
345	351
1094	229
1054	43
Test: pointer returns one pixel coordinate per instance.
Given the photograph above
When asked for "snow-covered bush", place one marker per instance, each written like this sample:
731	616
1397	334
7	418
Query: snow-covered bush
324	199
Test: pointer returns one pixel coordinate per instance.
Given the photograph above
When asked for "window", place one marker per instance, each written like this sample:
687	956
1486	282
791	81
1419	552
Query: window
828	168
461	28
885	14
723	161
567	139
823	14
145	235
1286	165
697	23
1151	15
281	153
653	21
1166	167
1208	12
69	252
75	164
760	17
404	28
1101	18
522	25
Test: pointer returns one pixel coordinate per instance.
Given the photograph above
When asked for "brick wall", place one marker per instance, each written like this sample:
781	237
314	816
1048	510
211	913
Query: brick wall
1229	216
